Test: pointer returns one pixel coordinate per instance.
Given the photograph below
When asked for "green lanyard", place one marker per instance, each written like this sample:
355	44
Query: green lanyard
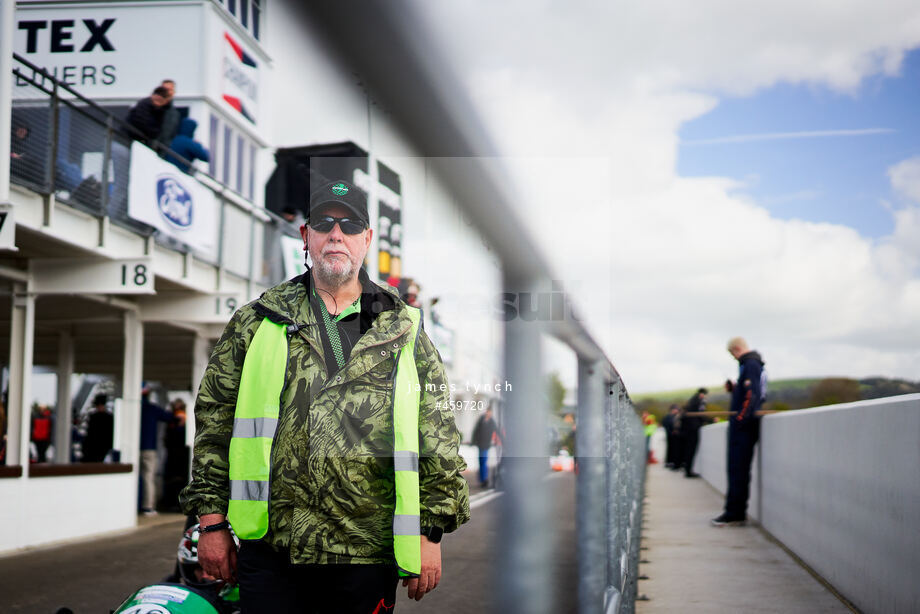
332	331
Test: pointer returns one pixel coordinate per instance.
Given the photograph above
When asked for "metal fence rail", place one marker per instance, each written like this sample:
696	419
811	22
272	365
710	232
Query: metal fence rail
69	146
394	54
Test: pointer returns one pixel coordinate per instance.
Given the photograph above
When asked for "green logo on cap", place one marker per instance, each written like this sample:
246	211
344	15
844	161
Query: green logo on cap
339	189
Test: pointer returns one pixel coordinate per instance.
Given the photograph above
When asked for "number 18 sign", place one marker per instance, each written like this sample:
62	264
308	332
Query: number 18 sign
68	276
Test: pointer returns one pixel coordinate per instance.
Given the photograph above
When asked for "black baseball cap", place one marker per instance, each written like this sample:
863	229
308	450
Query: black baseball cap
343	193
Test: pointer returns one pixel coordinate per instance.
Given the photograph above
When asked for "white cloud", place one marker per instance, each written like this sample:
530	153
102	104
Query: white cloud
905	178
900	252
682	264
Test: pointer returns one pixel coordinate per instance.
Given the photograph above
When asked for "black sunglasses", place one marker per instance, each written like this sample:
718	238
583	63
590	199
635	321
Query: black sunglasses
349	226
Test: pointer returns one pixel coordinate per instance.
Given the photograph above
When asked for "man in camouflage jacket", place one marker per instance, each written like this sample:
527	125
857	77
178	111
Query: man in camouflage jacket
332	491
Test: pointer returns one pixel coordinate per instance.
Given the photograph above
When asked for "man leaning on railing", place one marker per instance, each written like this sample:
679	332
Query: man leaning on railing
147	115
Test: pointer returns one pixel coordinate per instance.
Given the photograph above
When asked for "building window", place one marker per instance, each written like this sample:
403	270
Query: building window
228	147
233	157
212	141
239	163
252	170
248	13
256	13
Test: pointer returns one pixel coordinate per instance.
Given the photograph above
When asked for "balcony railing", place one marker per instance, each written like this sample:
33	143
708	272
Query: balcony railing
66	145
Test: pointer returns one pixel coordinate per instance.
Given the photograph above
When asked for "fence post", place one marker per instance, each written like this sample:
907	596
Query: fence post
524	548
591	502
637	458
7	18
220	231
50	178
613	595
106	158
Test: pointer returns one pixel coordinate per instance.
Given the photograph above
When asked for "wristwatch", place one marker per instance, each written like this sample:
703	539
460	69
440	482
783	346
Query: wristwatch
433	533
220	526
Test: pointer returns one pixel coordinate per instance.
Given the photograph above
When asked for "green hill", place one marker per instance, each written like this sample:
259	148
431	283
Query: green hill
715	390
787	393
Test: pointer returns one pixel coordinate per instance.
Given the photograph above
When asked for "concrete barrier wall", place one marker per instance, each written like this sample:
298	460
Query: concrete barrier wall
42	511
841	488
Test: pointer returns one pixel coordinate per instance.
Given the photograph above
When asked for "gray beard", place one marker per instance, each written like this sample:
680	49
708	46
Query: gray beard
327	274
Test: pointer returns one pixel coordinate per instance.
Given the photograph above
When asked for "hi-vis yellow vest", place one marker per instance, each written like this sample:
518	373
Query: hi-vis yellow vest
256	420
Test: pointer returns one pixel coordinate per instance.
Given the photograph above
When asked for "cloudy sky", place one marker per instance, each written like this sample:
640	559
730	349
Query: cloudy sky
702	170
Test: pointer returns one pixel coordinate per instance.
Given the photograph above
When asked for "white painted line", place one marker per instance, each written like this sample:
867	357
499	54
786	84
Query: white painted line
482	500
484	497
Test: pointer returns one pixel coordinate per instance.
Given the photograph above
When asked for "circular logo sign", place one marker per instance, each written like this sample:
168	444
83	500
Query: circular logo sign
339	189
174	202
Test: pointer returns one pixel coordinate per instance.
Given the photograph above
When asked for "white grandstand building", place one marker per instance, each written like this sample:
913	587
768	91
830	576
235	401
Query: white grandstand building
116	268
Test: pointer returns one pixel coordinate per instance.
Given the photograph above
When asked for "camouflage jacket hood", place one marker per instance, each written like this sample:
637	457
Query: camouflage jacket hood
332	491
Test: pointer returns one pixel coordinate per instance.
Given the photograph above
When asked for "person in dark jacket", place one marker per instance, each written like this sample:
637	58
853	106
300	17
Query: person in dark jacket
171	115
483	432
146	117
151	415
185	146
672	455
690	429
748	395
28	154
99	431
175	470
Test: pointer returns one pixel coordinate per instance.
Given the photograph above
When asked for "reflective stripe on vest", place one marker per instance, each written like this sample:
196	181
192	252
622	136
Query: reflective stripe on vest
255	422
407	541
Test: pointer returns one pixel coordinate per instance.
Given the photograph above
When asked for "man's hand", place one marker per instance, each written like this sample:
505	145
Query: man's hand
431	571
217	551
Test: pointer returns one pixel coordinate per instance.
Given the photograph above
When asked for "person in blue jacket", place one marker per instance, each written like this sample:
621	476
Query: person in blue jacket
748	395
151	415
185	145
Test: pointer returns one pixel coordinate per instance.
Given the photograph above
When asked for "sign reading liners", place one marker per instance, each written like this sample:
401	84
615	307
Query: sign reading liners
174	202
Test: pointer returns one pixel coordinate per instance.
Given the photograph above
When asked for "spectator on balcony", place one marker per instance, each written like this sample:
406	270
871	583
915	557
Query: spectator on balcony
25	154
19	142
185	146
146	117
171	115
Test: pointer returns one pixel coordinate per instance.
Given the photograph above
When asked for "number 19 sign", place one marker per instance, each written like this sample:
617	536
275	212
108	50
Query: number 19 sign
66	276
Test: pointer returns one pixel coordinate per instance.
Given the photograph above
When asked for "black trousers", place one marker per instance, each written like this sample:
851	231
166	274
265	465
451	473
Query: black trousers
741	442
270	584
669	457
677	441
691	443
